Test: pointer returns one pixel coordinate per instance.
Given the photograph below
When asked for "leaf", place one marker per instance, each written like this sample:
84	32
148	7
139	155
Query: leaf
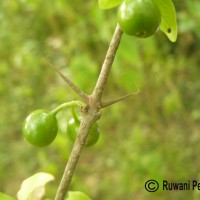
168	22
76	195
5	197
33	188
107	4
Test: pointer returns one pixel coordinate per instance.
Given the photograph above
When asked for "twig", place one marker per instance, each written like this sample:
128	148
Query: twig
85	125
91	114
107	64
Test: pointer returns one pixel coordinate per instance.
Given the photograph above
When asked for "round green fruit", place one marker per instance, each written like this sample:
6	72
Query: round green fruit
40	128
140	18
72	130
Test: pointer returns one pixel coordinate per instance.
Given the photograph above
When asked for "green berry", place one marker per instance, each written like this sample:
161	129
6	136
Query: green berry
140	18
40	128
72	130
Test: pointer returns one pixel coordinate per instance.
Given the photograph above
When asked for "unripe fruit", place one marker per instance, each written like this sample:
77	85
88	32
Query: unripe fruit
140	18
40	128
72	130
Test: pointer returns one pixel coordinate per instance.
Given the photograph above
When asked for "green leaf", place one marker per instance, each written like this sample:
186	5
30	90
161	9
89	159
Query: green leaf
5	197
168	22
34	186
76	195
107	4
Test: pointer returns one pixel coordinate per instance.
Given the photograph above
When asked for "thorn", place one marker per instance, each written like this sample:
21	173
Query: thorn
108	103
70	83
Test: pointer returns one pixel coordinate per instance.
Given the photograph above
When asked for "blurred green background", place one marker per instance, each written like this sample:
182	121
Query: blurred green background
152	135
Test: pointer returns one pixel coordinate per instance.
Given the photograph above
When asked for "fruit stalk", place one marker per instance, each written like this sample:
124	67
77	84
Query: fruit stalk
74	114
65	105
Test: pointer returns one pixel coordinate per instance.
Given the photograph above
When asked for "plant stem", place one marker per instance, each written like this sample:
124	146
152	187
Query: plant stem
90	115
74	114
65	105
84	128
107	64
